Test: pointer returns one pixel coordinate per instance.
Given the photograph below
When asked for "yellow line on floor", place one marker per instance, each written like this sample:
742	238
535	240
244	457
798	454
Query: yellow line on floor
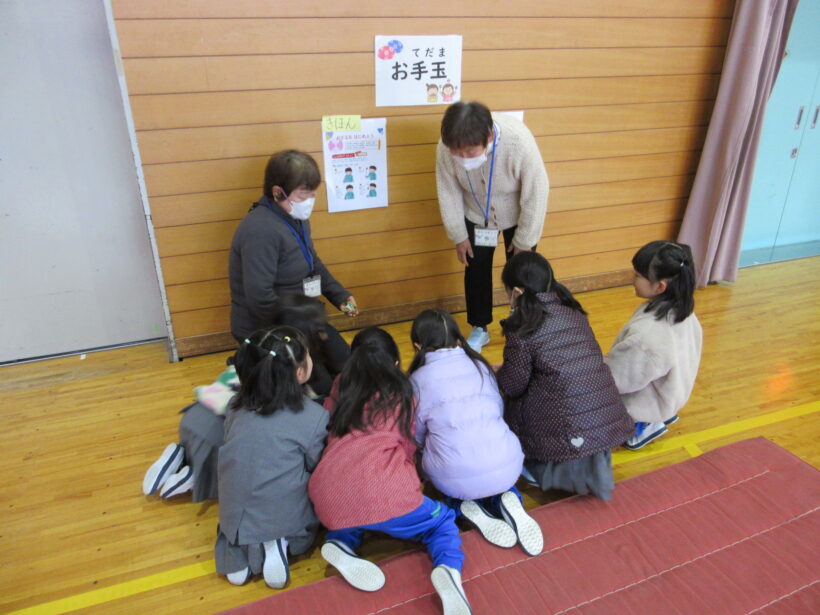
693	449
689	442
121	590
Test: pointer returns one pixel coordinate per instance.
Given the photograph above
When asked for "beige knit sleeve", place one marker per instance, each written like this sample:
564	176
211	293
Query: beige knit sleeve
450	196
534	191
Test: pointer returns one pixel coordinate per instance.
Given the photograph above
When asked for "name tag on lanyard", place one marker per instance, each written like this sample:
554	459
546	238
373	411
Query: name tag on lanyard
486	237
312	285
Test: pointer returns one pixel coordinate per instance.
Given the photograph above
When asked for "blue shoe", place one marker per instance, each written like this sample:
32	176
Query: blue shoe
478	338
671	421
645	433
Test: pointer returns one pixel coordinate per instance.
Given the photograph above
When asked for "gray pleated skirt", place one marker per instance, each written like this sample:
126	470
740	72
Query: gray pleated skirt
201	433
587	475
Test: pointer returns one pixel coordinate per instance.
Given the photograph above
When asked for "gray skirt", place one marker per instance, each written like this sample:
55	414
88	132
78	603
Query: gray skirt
201	433
583	476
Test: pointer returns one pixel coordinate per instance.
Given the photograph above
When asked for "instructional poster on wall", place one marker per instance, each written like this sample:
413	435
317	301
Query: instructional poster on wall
418	70
355	153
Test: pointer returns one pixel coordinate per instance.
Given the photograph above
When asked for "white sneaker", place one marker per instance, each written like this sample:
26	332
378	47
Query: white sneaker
275	569
162	468
447	582
494	530
478	338
240	577
359	572
176	484
526	528
650	432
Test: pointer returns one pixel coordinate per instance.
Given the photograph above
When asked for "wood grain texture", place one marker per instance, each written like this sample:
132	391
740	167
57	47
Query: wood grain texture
199	207
237	173
164	111
333	69
210	143
78	436
221	38
215	9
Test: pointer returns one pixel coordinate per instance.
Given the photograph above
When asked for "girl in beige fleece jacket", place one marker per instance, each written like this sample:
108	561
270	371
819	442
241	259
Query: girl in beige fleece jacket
655	357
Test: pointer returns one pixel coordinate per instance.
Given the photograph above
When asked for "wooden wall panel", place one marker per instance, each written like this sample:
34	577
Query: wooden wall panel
617	92
310	70
237	173
214	9
204	109
222	38
190	144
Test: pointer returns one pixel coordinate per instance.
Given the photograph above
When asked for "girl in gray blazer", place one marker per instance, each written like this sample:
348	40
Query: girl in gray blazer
274	436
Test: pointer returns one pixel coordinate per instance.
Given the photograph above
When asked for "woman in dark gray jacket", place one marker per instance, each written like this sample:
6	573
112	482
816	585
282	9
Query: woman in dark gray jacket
562	402
272	251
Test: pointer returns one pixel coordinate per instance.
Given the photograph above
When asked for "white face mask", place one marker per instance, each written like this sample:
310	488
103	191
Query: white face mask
471	163
301	210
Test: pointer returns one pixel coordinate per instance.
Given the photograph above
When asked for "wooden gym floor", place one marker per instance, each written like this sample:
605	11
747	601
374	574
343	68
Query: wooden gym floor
78	434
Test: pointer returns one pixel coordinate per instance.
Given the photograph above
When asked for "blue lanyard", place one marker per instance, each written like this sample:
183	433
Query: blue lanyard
486	211
302	241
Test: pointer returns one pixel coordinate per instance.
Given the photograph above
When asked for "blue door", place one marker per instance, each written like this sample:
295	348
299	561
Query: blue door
783	219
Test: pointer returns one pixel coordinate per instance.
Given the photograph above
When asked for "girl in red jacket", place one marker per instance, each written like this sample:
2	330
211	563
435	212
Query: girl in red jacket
367	479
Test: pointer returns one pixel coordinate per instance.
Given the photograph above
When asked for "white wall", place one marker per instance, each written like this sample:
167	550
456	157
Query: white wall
76	266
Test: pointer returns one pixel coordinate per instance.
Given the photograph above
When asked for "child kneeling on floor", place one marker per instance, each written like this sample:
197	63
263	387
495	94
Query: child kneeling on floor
655	357
468	451
367	477
191	464
274	436
561	400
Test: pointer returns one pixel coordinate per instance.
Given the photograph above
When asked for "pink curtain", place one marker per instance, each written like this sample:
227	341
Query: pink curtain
715	214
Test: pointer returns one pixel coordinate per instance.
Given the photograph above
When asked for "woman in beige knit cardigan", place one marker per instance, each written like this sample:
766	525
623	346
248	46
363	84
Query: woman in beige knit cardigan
490	177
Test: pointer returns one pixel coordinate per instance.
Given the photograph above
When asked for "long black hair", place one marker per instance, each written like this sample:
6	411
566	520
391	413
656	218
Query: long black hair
533	274
671	262
436	329
266	364
372	377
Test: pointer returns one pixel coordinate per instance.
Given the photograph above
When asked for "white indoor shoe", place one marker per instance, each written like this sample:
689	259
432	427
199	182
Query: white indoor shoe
178	483
447	582
496	531
275	569
162	468
526	528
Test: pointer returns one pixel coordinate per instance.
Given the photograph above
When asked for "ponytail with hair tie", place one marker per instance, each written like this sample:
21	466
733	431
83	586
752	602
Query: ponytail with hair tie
267	372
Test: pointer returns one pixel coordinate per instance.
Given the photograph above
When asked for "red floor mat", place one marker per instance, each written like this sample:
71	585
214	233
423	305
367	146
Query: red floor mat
735	531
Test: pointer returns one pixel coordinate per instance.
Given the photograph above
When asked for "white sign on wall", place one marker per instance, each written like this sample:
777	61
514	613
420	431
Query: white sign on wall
417	70
355	154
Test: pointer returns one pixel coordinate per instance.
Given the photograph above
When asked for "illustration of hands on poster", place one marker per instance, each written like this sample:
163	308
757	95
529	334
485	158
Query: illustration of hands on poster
355	156
417	70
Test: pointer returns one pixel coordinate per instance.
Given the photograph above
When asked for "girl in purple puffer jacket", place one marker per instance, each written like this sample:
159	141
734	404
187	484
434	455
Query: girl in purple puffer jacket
468	452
